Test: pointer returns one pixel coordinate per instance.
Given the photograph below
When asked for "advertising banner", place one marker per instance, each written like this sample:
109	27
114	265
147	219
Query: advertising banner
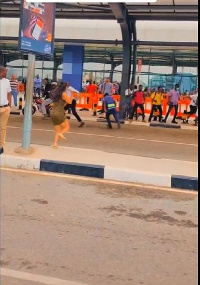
37	23
139	65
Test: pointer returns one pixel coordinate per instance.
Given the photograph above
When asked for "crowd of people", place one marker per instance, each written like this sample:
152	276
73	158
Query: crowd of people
61	96
135	98
103	87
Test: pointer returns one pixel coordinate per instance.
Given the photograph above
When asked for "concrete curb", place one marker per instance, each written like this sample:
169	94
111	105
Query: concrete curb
184	182
100	171
20	162
165	125
87	170
127	175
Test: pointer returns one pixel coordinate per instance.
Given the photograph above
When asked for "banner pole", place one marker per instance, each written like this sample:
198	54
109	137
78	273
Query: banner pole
27	124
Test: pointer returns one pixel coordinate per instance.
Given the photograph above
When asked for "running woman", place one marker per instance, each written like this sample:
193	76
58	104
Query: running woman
60	99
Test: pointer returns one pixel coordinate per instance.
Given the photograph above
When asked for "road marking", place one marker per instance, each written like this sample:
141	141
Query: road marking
115	137
96	180
36	277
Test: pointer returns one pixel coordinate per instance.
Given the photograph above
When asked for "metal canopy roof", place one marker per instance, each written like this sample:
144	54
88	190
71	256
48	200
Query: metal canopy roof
155	56
165	10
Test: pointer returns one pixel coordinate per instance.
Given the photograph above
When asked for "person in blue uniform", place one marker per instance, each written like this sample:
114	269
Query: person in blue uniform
110	109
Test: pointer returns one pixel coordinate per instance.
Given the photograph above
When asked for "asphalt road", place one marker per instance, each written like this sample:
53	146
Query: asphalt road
131	139
62	229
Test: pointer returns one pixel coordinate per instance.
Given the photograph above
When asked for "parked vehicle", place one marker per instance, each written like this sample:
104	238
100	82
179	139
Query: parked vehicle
37	103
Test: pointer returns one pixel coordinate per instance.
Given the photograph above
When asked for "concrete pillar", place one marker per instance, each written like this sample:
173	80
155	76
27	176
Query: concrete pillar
134	62
55	68
121	14
113	65
174	69
2	59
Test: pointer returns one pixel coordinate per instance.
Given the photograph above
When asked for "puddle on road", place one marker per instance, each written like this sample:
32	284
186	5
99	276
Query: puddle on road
124	191
129	191
158	216
40	201
180	213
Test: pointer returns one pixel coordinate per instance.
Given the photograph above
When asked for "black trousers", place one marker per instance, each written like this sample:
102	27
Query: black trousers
134	110
154	109
193	110
125	110
171	106
72	106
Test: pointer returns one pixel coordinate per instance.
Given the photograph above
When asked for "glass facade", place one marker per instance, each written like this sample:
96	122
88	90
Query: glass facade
102	62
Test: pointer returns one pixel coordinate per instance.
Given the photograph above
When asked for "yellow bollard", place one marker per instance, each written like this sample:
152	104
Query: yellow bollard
94	109
20	103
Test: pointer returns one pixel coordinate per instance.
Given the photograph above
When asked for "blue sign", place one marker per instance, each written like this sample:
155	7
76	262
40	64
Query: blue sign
37	23
73	65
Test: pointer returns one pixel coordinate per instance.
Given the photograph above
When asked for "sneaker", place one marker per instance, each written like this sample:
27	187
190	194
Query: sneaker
1	150
164	121
174	122
119	126
81	124
109	126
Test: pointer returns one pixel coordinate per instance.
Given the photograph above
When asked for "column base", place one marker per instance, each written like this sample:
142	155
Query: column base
26	151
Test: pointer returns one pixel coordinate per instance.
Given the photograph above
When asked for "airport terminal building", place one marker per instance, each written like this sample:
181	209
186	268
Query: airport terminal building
164	50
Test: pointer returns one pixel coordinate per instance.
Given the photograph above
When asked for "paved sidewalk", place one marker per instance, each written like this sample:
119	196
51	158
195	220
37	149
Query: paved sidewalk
111	166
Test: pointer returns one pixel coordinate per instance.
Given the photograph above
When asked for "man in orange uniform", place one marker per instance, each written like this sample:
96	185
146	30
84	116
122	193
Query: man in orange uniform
91	88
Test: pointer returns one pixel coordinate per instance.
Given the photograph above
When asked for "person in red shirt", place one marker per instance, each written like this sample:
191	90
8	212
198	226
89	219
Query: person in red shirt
139	98
91	88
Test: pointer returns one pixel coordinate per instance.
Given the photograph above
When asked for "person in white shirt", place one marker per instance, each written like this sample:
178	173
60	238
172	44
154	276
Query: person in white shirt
70	90
37	85
100	87
14	88
193	108
5	103
126	109
128	98
84	86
